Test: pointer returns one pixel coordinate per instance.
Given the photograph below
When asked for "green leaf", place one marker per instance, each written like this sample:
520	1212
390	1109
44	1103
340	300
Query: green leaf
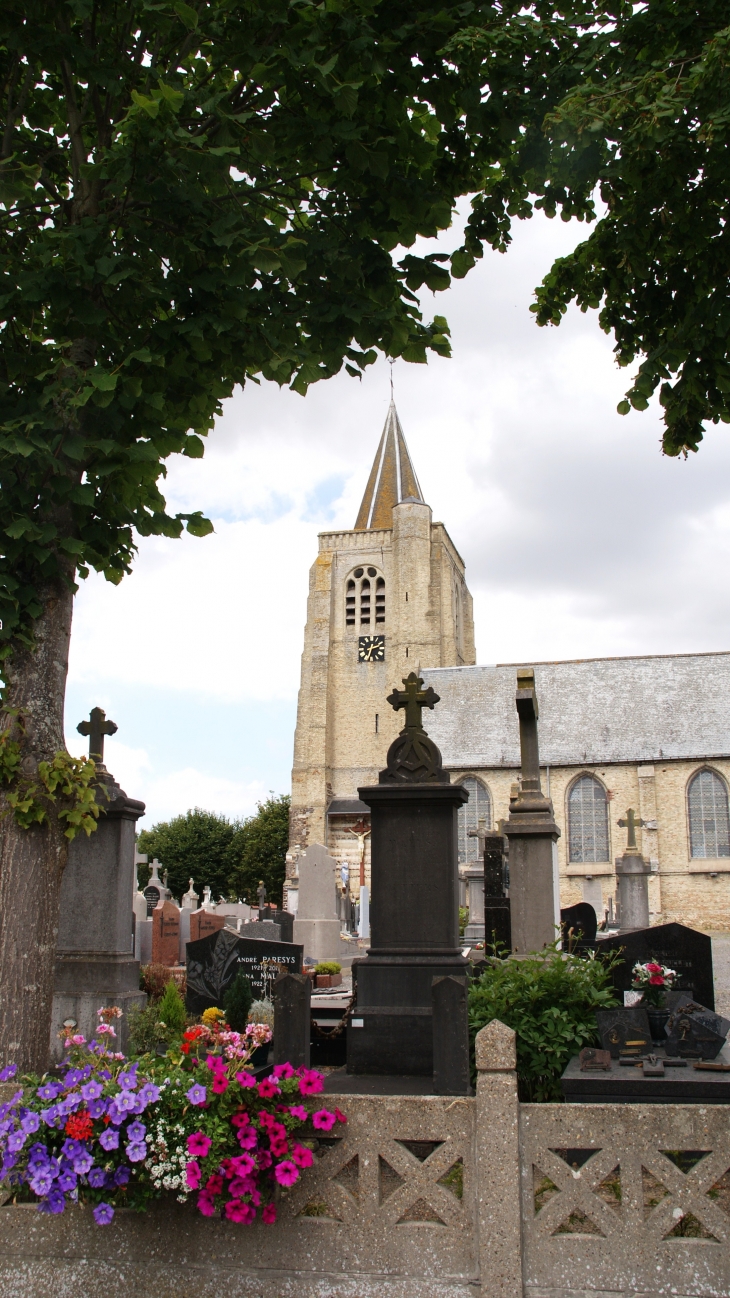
461	263
102	380
623	407
197	525
194	448
186	14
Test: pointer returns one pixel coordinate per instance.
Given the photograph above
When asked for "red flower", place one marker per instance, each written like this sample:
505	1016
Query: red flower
656	980
80	1126
653	968
340	1115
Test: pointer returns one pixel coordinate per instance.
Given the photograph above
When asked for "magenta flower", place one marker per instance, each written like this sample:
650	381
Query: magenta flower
302	1156
192	1175
311	1083
269	1214
199	1144
197	1094
299	1111
283	1070
247	1138
243	1164
267	1088
103	1213
264	1159
246	1080
340	1115
286	1173
219	1084
206	1204
241	1212
241	1185
323	1120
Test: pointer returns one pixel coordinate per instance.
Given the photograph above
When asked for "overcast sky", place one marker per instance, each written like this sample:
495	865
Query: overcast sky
580	539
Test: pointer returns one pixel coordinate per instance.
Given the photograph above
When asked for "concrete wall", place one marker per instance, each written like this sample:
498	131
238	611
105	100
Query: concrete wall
552	1201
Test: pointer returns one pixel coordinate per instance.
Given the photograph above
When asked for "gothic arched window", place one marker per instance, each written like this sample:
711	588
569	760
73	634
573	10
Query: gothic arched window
365	599
479	807
709	830
588	821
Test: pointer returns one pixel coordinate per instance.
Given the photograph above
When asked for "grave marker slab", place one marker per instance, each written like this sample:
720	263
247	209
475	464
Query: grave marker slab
624	1029
166	934
680	948
213	962
204	922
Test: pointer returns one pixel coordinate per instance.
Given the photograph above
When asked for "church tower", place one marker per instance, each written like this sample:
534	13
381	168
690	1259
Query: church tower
384	598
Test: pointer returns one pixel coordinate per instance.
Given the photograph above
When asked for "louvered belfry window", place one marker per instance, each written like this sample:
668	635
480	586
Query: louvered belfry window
588	821
709	830
479	807
365	600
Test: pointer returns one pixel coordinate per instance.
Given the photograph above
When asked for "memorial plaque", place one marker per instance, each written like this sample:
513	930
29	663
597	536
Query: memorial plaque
624	1030
153	896
213	962
680	948
693	1031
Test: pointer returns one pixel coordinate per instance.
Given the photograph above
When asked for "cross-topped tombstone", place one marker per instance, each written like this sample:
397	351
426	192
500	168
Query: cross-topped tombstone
474	874
632	823
413	758
96	728
261	894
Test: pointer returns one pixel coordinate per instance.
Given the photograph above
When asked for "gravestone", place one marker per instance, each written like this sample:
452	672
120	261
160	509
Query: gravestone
262	931
533	836
680	948
414	917
166	934
155	892
139	911
214	961
450	1035
497	922
578	922
235	913
474	876
96	963
694	1030
632	880
204	922
624	1030
207	902
291	995
189	900
316	925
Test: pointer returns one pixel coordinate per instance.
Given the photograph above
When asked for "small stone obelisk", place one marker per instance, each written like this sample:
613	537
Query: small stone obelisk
533	836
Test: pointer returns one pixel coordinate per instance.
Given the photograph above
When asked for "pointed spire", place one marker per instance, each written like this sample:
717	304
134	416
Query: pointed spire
392	477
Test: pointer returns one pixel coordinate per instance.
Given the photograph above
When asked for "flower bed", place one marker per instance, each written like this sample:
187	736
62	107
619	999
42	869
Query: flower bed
114	1132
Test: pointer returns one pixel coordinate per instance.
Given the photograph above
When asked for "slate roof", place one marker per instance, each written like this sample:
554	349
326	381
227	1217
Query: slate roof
392	478
592	711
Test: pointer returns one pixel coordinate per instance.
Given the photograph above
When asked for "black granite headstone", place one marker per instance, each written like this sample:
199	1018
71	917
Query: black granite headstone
695	1031
624	1030
213	962
292	1019
450	1036
581	918
680	948
497	919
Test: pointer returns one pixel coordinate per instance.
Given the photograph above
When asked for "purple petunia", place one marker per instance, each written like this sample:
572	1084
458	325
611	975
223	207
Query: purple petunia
97	1109
15	1141
126	1102
149	1093
136	1153
109	1140
136	1131
92	1090
30	1122
41	1181
82	1162
115	1114
67	1181
97	1178
103	1213
122	1175
197	1094
54	1201
128	1080
49	1090
8	1072
73	1077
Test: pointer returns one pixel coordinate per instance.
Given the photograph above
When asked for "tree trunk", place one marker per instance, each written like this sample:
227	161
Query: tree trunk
32	860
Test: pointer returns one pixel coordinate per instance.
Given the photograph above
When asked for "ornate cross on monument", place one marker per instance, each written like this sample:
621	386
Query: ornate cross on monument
481	834
632	823
96	728
413	758
413	698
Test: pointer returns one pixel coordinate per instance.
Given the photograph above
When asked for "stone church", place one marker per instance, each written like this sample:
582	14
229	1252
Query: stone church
652	733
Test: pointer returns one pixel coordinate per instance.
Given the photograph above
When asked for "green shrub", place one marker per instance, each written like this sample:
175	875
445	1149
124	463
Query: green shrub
550	1000
171	1009
327	967
463	919
237	1002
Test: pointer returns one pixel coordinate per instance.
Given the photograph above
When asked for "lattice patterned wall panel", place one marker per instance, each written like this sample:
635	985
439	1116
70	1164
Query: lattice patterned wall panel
400	1171
629	1199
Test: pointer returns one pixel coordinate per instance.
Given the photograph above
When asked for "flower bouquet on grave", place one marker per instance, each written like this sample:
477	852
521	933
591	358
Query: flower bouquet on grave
112	1133
654	981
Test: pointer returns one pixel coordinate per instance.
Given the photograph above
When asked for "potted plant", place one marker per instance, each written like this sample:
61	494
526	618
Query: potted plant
327	974
654	981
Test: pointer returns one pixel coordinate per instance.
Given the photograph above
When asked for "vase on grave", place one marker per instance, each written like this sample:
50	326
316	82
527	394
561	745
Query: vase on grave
95	959
414	913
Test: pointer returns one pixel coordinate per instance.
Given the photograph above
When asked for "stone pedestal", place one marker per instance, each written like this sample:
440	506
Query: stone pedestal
414	925
632	891
95	957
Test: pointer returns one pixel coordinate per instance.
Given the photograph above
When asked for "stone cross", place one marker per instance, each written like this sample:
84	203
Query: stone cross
413	698
96	728
632	823
526	700
361	831
481	834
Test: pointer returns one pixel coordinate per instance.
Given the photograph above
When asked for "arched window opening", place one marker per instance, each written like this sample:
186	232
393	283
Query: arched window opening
350	603
479	807
380	600
588	821
709	829
365	606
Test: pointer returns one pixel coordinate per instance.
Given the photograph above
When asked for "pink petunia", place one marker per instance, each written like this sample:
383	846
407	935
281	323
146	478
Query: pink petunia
277	1131
267	1088
199	1144
246	1080
215	1063
192	1175
214	1184
279	1148
269	1214
323	1120
241	1185
206	1204
299	1111
286	1173
247	1138
302	1156
240	1119
243	1164
283	1070
263	1159
340	1115
219	1084
311	1083
240	1212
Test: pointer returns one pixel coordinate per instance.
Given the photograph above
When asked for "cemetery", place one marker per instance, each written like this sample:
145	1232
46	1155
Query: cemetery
440	1149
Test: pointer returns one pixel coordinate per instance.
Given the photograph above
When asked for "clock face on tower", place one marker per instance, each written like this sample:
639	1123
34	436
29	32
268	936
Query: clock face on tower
371	649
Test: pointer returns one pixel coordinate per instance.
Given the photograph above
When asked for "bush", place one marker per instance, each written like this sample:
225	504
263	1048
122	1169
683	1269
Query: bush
153	979
262	1012
171	1009
146	1032
237	1002
550	1000
328	967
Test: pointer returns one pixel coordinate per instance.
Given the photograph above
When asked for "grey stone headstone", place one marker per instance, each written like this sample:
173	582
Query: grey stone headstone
317	926
263	932
450	1036
292	1019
